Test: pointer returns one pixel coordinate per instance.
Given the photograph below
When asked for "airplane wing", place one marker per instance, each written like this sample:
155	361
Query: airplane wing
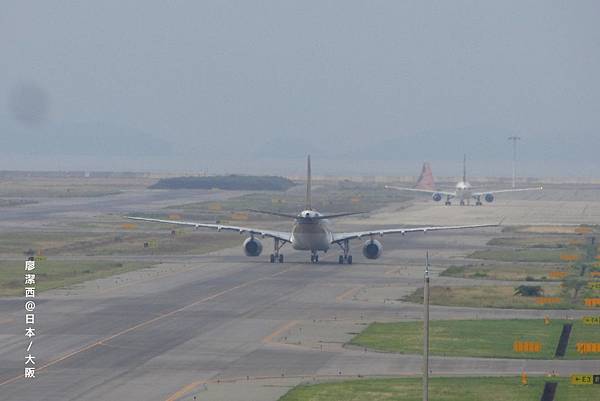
339	237
280	235
426	191
507	190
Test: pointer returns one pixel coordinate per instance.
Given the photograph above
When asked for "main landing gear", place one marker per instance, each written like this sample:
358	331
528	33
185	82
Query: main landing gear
478	201
276	256
447	203
346	257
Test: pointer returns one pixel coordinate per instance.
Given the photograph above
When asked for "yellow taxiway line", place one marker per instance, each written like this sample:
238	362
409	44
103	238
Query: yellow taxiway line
184	390
269	339
348	293
145	323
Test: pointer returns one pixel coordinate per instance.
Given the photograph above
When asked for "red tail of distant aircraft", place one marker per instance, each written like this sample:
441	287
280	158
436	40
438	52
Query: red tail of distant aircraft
425	180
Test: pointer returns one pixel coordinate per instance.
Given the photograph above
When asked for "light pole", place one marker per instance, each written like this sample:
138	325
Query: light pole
514	163
426	331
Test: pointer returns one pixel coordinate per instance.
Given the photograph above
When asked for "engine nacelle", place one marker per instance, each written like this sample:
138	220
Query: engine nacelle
437	197
372	249
252	247
489	198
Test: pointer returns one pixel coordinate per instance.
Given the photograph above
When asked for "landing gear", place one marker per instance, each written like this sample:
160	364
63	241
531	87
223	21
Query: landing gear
346	257
314	257
462	202
276	256
447	203
478	201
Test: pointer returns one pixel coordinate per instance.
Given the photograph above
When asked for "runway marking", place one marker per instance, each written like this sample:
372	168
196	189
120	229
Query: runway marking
269	339
183	391
392	272
171	273
192	386
292	346
348	293
147	322
158	276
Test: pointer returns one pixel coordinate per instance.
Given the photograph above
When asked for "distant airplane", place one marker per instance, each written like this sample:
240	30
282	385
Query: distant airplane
463	191
310	232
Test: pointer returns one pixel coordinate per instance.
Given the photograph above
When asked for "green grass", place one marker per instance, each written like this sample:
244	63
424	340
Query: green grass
524	255
551	230
531	241
118	242
585	334
185	242
495	271
346	197
497	296
473	338
57	274
17	242
68	187
440	389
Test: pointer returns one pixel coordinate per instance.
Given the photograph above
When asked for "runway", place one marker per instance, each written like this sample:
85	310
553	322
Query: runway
226	327
217	321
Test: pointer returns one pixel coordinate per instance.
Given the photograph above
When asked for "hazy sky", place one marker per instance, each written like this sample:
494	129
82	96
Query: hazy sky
372	87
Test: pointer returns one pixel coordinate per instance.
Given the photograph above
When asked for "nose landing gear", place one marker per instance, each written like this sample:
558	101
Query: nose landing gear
314	257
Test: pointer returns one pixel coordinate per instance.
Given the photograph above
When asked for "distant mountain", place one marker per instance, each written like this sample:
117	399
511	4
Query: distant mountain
82	139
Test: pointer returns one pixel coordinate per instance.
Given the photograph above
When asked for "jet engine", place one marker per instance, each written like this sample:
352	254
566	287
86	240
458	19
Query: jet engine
252	247
372	249
489	198
437	197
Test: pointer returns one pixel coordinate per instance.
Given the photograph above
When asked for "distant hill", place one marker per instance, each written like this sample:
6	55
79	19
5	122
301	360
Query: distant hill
231	182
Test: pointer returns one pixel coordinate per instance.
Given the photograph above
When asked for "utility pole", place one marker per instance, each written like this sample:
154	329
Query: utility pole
426	331
514	163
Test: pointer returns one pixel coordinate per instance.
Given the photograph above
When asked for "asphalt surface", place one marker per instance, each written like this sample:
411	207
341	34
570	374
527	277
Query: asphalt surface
226	327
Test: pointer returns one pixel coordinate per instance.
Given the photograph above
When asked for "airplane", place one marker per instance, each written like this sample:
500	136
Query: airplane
463	191
310	232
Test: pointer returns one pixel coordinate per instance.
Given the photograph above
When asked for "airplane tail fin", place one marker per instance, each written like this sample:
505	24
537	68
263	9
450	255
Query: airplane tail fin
465	168
308	201
426	180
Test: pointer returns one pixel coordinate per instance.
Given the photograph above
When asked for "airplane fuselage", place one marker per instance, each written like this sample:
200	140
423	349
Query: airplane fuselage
464	191
311	235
